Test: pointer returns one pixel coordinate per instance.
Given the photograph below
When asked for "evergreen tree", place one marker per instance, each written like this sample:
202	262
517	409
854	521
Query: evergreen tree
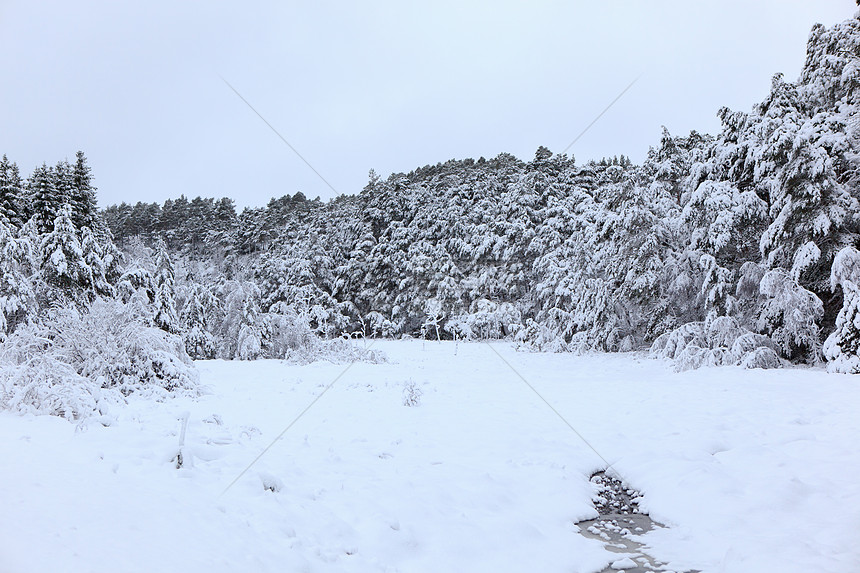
17	297
82	194
44	197
63	179
10	193
241	330
164	314
842	347
93	254
249	342
789	316
199	341
63	267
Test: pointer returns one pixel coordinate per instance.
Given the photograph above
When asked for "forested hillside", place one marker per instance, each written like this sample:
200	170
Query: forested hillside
714	249
738	248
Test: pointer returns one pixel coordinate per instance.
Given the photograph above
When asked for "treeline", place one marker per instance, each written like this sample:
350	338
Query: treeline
83	325
713	250
203	223
43	194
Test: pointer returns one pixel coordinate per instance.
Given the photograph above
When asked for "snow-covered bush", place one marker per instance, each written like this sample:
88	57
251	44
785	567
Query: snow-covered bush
715	342
671	344
249	342
535	336
411	394
71	362
722	331
41	384
288	336
375	324
490	319
692	357
288	332
762	357
747	343
486	319
460	327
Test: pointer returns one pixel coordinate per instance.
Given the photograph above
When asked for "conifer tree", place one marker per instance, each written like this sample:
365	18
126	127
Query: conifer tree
199	341
842	347
62	182
164	315
44	197
82	194
17	297
63	267
10	193
93	257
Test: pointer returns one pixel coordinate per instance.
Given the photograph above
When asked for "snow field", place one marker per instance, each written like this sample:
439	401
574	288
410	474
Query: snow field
751	470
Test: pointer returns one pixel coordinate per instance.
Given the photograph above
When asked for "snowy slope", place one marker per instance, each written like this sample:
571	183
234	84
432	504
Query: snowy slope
751	470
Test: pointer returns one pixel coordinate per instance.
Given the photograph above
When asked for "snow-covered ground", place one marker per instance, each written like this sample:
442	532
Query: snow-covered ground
751	470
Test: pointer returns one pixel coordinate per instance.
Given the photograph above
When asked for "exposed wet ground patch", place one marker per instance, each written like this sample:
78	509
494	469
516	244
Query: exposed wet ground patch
619	526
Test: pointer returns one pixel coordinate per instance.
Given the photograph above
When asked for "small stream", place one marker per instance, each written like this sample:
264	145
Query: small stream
619	526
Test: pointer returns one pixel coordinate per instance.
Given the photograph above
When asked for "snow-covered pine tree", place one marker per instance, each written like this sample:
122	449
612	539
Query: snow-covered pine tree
842	347
240	332
93	253
17	297
802	157
63	268
790	316
164	314
62	182
44	198
10	193
82	194
249	342
199	341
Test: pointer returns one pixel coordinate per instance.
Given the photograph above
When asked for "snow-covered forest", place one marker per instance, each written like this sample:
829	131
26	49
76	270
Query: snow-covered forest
465	323
738	248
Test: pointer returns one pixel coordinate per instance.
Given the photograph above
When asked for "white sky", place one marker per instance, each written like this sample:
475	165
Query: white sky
378	84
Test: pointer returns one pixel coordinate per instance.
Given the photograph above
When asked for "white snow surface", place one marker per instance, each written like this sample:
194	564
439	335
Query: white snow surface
751	470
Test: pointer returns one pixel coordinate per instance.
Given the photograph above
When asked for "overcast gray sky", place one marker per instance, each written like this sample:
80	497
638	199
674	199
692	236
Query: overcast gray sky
381	84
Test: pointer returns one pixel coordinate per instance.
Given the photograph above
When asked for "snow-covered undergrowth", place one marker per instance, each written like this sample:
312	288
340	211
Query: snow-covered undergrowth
718	342
74	364
288	337
751	470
